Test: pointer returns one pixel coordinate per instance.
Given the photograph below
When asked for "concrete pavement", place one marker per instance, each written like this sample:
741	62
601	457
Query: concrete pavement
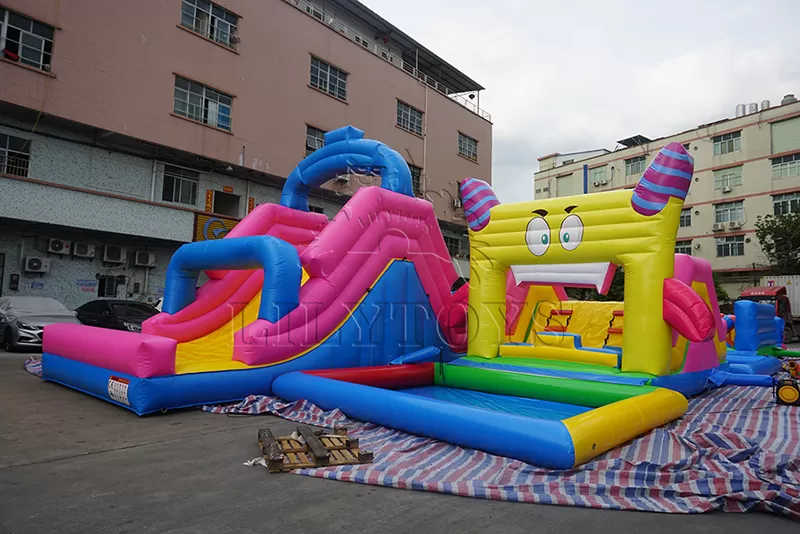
71	463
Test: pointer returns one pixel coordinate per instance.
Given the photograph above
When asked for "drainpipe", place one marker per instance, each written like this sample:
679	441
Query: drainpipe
425	140
585	179
153	181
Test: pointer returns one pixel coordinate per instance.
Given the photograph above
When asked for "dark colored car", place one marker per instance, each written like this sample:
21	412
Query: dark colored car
116	314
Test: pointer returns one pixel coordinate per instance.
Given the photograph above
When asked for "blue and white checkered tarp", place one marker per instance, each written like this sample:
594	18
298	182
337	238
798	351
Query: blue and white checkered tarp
734	450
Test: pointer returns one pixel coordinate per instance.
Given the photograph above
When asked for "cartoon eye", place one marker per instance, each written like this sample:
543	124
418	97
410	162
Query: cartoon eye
537	236
571	233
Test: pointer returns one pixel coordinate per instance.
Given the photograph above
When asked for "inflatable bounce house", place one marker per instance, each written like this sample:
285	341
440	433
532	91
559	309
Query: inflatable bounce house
357	313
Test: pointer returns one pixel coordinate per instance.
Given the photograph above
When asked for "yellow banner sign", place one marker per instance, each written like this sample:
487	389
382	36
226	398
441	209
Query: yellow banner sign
209	200
209	227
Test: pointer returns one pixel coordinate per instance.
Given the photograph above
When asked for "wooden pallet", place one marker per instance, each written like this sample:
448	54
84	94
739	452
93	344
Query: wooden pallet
317	449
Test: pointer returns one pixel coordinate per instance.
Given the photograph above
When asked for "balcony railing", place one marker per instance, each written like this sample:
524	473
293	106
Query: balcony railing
329	20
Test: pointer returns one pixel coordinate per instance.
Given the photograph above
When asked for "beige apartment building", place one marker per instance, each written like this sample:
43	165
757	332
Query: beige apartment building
745	167
128	128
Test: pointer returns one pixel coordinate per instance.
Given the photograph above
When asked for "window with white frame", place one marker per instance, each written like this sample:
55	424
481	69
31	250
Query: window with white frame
731	245
635	165
727	143
686	218
416	179
467	147
729	212
203	104
786	166
328	78
315	139
15	155
683	247
409	118
25	40
726	178
786	203
180	185
211	21
598	176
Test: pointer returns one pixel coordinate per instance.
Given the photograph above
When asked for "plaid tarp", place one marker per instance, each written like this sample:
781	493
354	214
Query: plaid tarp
734	450
33	366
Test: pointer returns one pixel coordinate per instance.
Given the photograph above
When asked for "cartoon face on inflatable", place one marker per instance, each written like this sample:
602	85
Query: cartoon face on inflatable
578	241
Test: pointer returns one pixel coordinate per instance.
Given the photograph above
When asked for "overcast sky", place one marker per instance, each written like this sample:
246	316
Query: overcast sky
567	75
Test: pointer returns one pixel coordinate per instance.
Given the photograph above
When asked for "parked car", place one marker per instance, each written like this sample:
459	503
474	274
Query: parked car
22	320
117	314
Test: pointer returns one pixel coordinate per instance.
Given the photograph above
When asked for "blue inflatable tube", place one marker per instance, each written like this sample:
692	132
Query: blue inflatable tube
279	259
748	380
540	442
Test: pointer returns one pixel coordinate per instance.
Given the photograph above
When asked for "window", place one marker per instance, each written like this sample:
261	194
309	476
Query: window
687	145
725	144
732	245
107	287
416	179
316	209
453	245
729	211
785	135
26	40
210	21
467	147
180	185
409	118
686	218
328	79
315	139
635	165
15	155
226	204
203	104
598	175
564	186
786	166
568	161
730	177
786	204
683	247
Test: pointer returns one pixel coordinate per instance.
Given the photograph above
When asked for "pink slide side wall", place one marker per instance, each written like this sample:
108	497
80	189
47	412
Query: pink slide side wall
688	269
129	353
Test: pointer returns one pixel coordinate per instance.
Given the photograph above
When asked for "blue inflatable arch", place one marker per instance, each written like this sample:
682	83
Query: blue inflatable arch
346	151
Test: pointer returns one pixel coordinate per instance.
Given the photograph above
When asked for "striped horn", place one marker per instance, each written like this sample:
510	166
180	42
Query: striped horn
477	198
668	175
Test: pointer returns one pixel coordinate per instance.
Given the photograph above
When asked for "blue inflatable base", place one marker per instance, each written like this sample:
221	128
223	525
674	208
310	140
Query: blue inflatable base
750	363
688	384
148	395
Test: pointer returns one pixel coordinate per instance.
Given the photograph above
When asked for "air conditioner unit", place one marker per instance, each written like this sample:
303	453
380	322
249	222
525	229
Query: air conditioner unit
718	227
83	250
596	183
144	259
727	189
456	202
114	254
35	264
59	246
696	246
734	225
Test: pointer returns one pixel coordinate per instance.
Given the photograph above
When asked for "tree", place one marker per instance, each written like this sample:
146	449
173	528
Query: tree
722	294
780	241
616	291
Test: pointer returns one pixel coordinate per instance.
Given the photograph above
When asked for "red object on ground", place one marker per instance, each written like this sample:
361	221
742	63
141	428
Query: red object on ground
383	376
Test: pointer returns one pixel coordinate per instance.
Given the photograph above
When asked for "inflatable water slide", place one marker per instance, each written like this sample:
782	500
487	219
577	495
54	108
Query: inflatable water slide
287	290
357	313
